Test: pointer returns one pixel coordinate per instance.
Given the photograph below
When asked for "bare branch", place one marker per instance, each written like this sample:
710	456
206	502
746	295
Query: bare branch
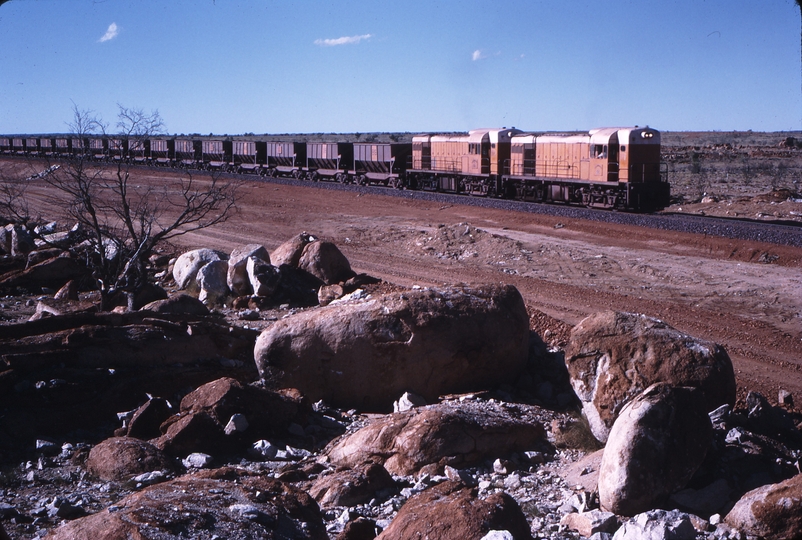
126	218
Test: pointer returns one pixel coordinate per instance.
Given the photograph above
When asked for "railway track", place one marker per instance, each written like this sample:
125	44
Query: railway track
787	234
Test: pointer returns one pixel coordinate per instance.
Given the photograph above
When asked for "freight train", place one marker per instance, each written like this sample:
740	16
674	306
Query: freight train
613	168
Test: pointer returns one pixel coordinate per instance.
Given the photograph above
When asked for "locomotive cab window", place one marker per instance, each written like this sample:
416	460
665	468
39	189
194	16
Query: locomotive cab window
623	148
474	148
599	151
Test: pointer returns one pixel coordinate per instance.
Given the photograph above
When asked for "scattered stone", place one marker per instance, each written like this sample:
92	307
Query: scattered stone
658	441
591	522
236	503
408	401
328	293
236	424
612	357
498	535
198	460
657	525
263	450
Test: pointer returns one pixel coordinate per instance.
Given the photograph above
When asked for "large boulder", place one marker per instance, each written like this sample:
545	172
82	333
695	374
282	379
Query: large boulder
451	511
290	251
457	434
285	284
205	412
21	241
267	412
5	239
364	353
658	441
263	277
326	262
212	282
773	511
187	265
612	357
121	458
222	503
237	276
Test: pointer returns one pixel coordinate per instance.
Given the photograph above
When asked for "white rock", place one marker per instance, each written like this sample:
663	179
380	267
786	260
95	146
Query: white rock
212	282
263	449
236	424
237	276
187	265
498	535
408	401
197	460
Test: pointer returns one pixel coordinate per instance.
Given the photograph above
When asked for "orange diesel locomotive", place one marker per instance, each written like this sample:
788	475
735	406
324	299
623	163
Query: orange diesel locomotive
604	168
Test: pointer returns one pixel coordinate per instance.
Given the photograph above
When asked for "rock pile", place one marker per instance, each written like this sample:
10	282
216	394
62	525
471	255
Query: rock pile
303	271
169	422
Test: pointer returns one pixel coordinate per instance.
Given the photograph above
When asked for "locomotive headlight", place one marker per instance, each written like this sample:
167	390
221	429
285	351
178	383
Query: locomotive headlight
646	134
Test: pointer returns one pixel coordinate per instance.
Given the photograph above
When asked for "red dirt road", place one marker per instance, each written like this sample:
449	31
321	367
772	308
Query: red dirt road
709	287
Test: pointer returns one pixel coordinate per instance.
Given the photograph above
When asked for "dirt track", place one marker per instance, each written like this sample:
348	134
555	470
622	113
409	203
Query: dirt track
709	287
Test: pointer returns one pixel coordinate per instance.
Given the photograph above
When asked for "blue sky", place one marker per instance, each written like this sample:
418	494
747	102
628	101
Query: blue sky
231	66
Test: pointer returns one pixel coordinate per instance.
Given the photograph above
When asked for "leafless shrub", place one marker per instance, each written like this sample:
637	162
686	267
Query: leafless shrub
124	222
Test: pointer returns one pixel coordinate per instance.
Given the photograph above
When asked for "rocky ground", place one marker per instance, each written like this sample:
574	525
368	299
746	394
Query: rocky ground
744	296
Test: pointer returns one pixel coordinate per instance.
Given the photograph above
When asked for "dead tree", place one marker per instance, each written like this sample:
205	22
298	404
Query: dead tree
124	222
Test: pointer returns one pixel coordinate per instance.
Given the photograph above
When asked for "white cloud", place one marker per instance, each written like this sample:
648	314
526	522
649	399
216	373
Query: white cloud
345	40
111	33
478	55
